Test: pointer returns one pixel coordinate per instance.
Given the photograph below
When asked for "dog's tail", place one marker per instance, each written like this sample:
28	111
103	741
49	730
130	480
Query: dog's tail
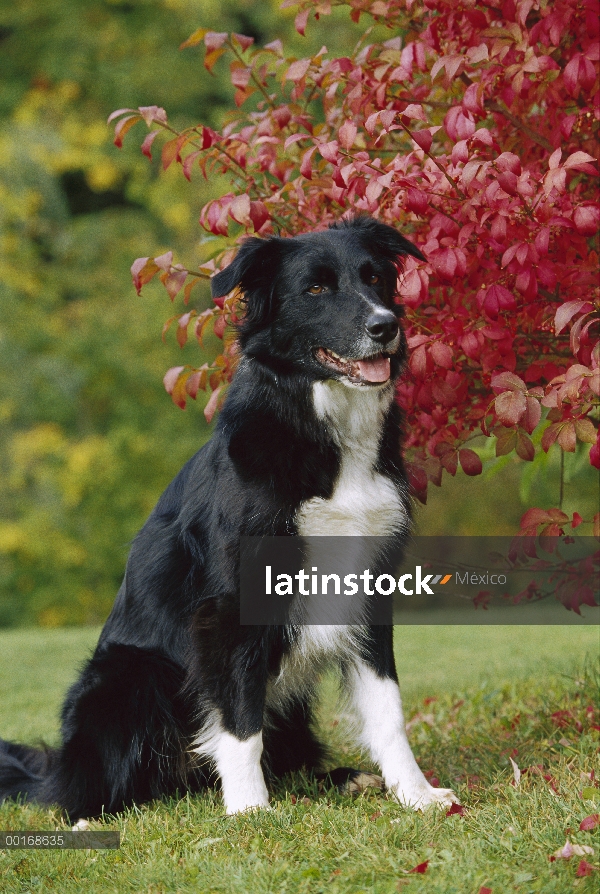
23	770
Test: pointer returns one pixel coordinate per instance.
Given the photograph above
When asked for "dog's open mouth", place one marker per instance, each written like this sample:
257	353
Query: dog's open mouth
374	370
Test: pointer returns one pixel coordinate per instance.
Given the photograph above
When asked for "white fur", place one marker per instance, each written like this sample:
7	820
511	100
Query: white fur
382	732
301	667
237	761
364	502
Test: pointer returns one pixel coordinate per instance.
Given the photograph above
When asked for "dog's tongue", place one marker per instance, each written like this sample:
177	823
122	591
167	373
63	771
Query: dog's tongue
375	370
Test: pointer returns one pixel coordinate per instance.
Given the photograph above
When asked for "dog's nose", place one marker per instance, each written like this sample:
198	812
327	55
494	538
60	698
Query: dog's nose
382	326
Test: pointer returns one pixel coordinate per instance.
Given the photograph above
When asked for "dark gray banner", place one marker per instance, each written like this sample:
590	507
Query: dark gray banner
432	580
60	840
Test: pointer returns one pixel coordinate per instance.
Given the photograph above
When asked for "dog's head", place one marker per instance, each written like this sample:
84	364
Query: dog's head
323	302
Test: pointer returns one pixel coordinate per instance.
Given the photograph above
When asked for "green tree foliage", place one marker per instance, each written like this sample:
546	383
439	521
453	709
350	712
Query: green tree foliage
89	437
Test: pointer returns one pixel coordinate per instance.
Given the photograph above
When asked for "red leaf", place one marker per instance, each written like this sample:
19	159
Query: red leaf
495	299
566	437
347	134
306	163
445	263
147	144
589	823
213	40
297	70
122	127
219	326
211	406
301	20
484	890
456	809
174	281
239	210
142	271
178	394
170	378
259	215
525	448
586	219
442	354
585	868
329	151
577	158
164	261
510	406
508	182
116	114
565	312
423	139
535	517
508	381
243	40
209	137
170	151
416	201
471	465
532	415
421	867
506	441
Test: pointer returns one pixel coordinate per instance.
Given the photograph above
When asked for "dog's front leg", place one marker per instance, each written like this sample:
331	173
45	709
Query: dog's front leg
237	761
375	696
231	736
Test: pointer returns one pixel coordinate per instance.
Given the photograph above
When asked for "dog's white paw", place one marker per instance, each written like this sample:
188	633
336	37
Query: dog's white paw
419	797
238	807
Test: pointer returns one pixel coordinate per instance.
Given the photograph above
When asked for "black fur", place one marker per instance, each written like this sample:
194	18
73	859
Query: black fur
172	649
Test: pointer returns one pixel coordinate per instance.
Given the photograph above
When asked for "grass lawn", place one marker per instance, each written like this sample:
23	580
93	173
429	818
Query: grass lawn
474	697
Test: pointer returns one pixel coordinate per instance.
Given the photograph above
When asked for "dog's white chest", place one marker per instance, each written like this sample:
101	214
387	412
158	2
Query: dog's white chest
364	502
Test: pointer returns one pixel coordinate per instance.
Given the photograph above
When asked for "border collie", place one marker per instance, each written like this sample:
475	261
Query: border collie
307	443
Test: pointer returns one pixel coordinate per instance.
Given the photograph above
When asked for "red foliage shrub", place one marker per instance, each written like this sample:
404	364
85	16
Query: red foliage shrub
475	132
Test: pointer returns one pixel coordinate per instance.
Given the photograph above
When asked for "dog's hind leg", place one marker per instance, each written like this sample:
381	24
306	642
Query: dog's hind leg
290	743
375	697
126	728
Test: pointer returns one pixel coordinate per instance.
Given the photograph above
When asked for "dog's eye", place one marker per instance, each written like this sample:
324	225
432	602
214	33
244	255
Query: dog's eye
373	279
317	289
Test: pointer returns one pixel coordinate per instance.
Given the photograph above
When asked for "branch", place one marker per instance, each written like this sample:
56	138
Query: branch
501	109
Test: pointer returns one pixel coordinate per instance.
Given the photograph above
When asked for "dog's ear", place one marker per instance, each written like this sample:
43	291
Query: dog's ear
251	269
254	270
382	239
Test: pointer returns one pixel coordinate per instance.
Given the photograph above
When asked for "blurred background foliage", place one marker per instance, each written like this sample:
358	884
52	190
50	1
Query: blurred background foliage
89	437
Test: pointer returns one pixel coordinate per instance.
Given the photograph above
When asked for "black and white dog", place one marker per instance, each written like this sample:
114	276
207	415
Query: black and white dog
307	444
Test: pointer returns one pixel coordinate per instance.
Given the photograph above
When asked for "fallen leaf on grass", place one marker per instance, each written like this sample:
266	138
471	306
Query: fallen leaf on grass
421	867
585	868
485	891
569	850
589	823
456	809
